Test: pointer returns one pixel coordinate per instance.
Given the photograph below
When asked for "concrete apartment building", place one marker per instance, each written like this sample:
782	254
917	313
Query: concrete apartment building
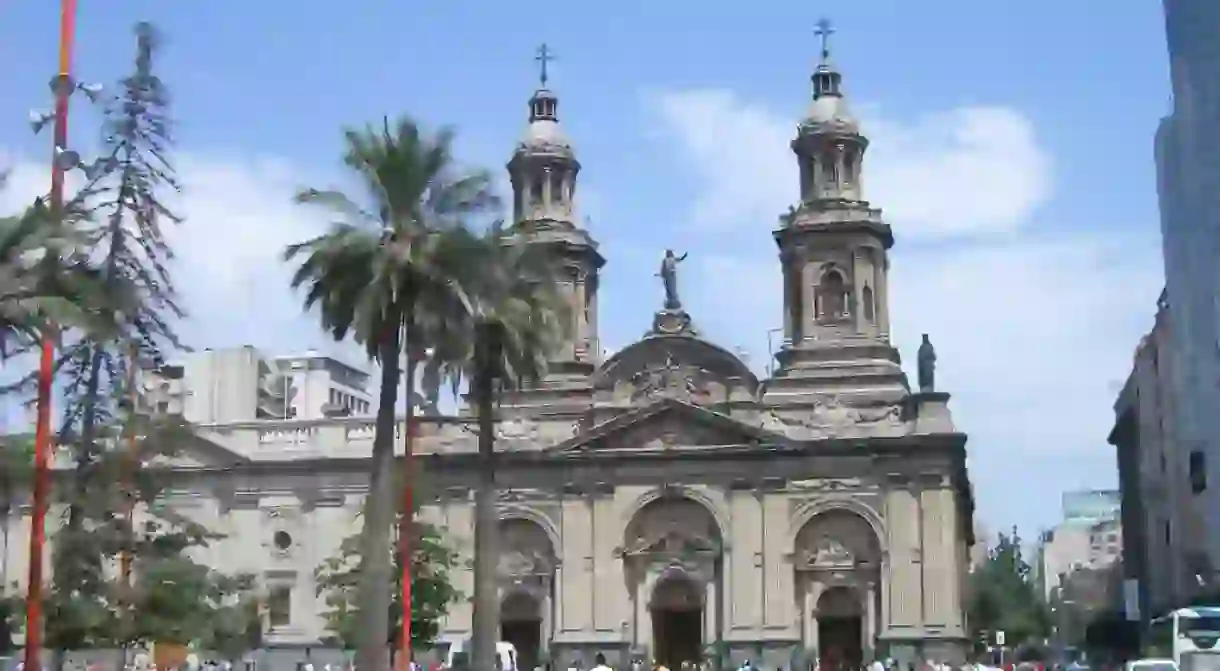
1187	142
1088	537
1162	480
1167	430
221	386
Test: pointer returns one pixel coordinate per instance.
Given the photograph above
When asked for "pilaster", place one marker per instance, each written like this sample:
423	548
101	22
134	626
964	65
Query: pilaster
458	513
744	563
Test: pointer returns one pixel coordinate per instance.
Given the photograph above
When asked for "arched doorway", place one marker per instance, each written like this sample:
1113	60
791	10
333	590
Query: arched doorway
837	558
672	551
525	574
677	620
840	630
521	625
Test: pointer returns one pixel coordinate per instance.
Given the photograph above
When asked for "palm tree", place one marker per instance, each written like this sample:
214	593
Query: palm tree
387	273
511	285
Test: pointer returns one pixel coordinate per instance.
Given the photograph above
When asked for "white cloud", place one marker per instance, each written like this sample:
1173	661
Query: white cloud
1032	328
968	170
239	216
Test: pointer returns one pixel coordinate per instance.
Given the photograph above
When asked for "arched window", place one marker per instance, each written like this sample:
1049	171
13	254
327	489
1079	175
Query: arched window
833	292
869	309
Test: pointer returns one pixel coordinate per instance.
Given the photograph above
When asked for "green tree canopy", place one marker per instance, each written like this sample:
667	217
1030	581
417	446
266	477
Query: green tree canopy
1004	597
431	590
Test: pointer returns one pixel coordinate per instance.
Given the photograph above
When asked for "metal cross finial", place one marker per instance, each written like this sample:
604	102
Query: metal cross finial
824	31
545	55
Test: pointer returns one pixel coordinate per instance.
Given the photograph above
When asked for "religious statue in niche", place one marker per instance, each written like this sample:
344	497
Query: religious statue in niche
669	279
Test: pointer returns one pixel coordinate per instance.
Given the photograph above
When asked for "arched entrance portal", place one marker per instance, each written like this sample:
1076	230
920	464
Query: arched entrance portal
840	630
672	552
677	621
525	573
838	562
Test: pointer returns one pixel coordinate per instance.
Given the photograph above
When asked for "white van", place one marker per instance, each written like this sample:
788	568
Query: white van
506	652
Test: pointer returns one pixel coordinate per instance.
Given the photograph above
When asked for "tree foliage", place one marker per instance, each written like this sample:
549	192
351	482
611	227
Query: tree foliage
1004	596
169	597
431	590
125	228
1083	596
43	282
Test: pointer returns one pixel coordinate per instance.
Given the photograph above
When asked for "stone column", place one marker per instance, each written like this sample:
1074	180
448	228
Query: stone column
813	591
548	197
557	595
580	329
548	624
869	629
710	600
809	299
881	296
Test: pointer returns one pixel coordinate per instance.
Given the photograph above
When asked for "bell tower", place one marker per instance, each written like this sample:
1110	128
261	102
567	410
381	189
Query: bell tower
833	248
543	171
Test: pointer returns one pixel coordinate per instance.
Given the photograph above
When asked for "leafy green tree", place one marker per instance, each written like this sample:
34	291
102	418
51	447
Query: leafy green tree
175	600
431	591
1004	597
166	596
388	275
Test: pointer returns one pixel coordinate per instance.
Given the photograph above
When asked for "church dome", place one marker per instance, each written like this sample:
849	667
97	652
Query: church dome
831	113
544	135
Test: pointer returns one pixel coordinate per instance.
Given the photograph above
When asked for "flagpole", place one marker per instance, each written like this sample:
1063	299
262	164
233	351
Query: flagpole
63	87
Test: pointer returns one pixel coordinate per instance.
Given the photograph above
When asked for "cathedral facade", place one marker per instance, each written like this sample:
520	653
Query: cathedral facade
664	503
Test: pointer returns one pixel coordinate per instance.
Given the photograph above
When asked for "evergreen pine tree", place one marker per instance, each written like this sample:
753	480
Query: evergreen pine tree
124	198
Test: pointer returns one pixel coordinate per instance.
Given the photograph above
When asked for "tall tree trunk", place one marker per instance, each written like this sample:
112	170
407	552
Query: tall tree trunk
406	522
376	567
486	553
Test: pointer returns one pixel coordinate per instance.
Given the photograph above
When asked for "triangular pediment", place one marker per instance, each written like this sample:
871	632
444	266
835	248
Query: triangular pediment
669	424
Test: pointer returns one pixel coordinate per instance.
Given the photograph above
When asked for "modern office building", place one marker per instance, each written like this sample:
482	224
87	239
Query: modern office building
1088	537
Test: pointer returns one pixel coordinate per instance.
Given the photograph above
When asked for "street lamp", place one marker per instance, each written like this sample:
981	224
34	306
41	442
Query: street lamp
62	88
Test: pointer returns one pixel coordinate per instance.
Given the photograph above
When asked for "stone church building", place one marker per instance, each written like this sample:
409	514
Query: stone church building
665	502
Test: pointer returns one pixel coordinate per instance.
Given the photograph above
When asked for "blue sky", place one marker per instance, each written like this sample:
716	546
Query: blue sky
1012	148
